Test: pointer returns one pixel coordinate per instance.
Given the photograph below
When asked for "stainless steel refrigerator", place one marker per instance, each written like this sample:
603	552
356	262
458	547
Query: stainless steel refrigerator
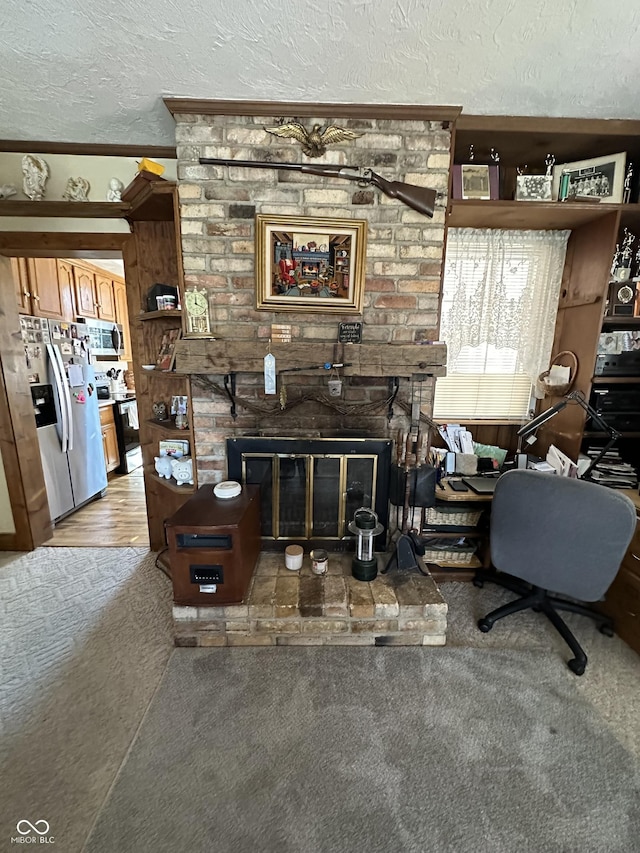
65	404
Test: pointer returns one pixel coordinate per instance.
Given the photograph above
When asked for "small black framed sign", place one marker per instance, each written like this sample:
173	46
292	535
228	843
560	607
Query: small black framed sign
350	333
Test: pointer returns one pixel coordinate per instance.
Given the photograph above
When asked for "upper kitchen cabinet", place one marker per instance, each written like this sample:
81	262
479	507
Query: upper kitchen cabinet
21	282
106	299
85	290
122	316
50	294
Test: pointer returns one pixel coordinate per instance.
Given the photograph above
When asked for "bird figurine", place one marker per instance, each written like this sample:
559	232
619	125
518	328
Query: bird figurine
314	143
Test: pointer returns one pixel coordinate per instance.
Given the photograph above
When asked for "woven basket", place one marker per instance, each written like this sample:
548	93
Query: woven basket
437	550
443	516
567	359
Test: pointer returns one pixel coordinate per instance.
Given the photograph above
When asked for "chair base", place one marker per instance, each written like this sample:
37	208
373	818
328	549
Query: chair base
540	600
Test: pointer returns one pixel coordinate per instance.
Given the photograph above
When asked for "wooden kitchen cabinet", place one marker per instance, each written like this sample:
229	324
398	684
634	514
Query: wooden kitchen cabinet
85	292
21	281
105	298
109	438
49	294
122	317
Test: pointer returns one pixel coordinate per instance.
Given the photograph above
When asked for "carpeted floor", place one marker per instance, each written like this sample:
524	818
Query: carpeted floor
316	750
385	735
86	634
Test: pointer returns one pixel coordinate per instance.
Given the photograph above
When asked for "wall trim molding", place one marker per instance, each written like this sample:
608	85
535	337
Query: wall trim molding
398	112
86	149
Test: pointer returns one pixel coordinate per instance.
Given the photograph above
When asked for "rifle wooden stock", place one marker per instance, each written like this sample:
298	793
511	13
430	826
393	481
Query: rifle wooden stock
421	199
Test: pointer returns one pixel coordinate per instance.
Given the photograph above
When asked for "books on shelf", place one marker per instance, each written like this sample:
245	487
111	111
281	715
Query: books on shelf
612	471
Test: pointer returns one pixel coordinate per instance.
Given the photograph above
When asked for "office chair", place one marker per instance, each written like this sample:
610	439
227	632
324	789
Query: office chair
554	536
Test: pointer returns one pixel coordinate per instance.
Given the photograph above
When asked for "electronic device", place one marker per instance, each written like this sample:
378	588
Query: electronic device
458	486
481	485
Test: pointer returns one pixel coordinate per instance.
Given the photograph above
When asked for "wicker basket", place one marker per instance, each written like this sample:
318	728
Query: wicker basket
567	359
446	517
447	551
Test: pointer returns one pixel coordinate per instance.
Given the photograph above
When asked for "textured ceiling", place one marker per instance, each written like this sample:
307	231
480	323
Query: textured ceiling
96	71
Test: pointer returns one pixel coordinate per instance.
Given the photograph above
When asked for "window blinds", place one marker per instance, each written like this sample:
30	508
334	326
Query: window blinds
499	304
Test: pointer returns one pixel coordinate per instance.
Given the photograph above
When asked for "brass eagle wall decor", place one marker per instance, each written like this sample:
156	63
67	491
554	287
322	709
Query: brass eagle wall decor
314	142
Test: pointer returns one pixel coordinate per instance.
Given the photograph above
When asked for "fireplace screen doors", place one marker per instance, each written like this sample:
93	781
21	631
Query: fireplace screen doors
310	489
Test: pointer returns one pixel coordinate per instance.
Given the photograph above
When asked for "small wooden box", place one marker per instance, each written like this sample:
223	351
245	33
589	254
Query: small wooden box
214	545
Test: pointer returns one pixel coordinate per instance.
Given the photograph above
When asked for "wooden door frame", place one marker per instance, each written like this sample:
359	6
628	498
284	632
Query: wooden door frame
19	446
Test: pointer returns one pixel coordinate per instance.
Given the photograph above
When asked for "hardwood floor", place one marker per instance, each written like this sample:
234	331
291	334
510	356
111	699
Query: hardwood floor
116	520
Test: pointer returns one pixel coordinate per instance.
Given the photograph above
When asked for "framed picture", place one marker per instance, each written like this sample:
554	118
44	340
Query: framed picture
601	177
533	188
166	353
475	181
308	263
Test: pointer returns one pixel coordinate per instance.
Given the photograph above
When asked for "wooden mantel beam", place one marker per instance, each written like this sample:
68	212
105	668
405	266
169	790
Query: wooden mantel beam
218	357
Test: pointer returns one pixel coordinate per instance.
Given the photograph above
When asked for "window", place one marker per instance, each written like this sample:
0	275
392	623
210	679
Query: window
499	305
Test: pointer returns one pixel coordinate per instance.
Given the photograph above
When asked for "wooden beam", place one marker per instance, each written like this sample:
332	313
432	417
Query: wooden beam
87	149
219	357
549	125
75	209
18	435
62	244
398	112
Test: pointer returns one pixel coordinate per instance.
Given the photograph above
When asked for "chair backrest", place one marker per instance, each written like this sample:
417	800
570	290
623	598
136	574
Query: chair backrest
564	535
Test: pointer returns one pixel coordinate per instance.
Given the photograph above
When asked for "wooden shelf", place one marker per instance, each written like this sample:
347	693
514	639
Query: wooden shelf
167	426
615	380
75	209
621	323
155	315
170	484
529	214
590	434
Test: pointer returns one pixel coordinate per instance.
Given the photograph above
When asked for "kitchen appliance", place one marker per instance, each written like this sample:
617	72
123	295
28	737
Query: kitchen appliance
105	338
125	414
65	405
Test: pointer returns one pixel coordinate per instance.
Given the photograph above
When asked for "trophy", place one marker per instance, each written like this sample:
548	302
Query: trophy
622	270
628	178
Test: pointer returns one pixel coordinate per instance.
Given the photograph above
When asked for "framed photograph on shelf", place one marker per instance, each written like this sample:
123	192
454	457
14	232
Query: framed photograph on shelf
308	263
533	188
476	181
601	178
166	353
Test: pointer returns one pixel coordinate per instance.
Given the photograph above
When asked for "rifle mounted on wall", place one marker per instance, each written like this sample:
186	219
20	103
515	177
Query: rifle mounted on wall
421	199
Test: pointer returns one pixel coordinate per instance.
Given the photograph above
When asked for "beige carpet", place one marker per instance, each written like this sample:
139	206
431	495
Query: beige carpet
85	637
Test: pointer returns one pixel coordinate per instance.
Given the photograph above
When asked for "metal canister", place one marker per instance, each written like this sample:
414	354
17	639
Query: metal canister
319	561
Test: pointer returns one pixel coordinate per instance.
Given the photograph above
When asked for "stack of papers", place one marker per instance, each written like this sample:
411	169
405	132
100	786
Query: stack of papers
561	463
612	471
457	438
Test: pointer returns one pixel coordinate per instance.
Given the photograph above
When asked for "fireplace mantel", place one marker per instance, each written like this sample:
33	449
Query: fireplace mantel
212	356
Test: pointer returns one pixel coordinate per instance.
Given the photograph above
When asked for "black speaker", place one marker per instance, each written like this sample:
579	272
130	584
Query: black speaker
160	290
422	485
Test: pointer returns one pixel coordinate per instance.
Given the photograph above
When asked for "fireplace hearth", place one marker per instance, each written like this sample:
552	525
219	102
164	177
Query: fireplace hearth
311	488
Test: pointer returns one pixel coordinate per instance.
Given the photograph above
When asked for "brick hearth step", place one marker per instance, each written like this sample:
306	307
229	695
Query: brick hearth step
300	608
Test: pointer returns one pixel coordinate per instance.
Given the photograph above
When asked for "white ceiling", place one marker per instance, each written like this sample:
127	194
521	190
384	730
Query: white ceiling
96	71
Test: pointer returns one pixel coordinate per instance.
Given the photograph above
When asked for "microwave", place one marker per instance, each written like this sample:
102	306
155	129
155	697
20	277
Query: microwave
105	338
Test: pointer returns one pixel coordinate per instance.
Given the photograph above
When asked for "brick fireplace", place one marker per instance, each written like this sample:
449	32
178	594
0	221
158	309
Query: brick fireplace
404	257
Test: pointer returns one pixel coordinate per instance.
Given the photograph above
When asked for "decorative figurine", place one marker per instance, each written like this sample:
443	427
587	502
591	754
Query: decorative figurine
163	466
628	178
77	190
314	142
7	190
36	173
114	193
159	410
182	470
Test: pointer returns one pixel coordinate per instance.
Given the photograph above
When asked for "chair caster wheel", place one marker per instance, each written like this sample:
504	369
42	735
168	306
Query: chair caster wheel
577	666
607	630
478	582
484	625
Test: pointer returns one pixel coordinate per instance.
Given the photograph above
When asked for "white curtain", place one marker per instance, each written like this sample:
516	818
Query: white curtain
499	305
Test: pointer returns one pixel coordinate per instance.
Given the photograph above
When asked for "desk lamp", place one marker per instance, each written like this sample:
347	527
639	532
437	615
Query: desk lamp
573	397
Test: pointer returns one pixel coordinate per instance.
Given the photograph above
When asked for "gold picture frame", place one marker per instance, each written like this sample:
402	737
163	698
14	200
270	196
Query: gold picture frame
310	263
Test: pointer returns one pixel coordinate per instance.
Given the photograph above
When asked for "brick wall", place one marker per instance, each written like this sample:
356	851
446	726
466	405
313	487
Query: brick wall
403	265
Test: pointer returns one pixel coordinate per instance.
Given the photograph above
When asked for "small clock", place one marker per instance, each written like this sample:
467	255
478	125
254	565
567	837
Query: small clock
621	300
197	313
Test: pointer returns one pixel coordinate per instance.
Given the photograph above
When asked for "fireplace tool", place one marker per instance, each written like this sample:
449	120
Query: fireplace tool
412	484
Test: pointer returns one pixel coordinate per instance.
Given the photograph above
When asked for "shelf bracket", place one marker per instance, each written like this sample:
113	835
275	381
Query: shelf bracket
230	388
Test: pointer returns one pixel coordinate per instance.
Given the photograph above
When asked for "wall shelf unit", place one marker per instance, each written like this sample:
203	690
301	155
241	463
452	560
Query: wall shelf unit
152	255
